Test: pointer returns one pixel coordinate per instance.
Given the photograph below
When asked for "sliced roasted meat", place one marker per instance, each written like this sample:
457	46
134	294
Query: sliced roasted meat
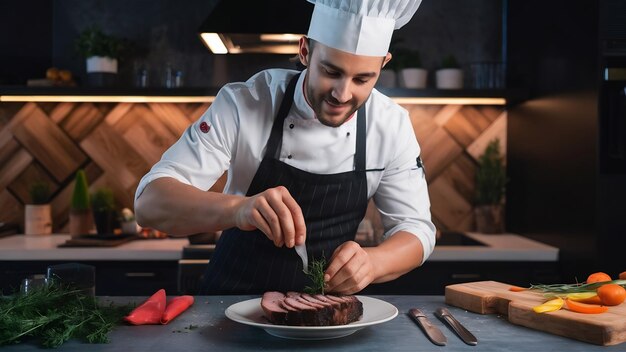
301	309
271	304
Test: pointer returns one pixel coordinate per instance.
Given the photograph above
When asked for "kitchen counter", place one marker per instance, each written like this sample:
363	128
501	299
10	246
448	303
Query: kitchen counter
20	248
215	332
501	247
498	247
136	267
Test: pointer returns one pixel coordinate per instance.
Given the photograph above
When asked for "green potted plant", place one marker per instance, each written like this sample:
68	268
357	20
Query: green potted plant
104	214
81	217
450	75
38	214
409	68
102	52
490	190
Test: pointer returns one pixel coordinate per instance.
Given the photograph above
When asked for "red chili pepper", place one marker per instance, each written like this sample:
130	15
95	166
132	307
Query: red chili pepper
150	312
176	306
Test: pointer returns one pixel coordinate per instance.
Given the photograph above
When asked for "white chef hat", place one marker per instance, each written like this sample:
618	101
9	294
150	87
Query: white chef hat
361	27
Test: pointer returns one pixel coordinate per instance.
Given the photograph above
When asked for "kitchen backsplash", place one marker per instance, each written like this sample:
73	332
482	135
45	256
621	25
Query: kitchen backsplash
117	143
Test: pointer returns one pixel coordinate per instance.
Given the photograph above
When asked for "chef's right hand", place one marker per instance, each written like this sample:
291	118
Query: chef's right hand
276	214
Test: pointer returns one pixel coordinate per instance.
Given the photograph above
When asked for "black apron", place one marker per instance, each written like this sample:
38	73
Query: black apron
333	205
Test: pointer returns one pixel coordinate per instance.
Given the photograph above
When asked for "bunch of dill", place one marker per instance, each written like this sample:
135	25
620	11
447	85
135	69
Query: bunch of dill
54	314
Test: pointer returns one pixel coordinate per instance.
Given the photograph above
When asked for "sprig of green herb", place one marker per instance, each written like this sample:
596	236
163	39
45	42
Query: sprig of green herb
54	314
316	274
574	288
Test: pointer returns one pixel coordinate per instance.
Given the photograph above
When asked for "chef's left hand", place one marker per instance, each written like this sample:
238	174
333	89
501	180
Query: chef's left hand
350	270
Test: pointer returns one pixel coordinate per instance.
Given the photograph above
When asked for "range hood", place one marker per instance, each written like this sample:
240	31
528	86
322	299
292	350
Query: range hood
255	26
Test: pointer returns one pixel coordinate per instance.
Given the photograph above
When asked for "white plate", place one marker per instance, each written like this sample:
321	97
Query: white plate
250	313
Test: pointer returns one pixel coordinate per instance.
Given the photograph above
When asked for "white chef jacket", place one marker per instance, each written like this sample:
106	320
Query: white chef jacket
232	134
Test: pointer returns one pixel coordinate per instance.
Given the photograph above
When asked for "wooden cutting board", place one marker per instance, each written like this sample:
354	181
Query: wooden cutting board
486	297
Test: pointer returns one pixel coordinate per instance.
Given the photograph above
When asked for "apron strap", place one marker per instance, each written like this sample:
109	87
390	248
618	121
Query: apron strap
276	136
361	126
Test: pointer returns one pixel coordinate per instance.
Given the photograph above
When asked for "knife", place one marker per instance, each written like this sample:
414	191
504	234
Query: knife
301	250
445	315
432	332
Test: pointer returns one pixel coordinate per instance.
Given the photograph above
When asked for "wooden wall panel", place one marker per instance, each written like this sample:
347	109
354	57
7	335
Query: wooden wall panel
172	117
452	193
13	167
114	155
47	143
146	134
8	112
61	206
444	115
197	112
61	111
118	143
497	130
81	121
8	148
11	209
20	186
466	125
461	174
118	112
452	138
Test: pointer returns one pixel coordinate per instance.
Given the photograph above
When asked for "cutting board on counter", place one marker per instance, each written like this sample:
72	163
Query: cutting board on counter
489	297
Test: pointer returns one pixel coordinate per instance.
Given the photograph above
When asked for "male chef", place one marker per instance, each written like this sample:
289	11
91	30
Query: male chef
304	152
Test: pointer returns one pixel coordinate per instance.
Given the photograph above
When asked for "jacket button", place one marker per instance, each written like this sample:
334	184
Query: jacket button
291	125
289	156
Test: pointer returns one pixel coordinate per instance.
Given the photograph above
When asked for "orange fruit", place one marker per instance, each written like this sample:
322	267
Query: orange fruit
598	277
65	75
52	73
611	294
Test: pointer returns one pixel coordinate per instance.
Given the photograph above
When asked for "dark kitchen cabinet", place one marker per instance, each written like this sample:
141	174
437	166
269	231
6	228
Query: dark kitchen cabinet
566	144
432	277
113	278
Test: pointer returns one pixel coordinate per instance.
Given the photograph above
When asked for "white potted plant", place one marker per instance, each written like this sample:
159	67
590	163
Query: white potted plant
38	214
387	78
410	71
450	75
101	52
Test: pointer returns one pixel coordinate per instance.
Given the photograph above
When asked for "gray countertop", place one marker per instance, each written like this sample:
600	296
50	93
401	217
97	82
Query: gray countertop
215	332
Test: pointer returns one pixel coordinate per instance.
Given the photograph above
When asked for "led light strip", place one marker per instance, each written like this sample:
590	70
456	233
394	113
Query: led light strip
107	98
209	99
450	101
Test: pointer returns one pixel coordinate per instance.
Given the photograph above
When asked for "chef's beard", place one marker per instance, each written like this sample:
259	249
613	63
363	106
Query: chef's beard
317	102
